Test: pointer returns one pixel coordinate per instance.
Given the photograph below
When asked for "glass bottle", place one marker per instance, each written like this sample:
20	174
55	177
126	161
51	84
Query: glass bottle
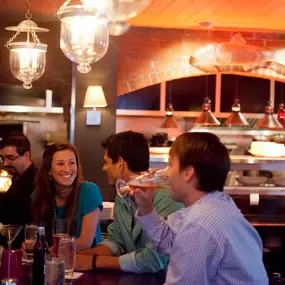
40	250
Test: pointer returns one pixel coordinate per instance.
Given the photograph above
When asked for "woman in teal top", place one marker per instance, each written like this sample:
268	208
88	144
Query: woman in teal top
90	198
62	193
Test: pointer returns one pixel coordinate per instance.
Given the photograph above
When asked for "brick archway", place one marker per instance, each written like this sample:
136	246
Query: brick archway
150	56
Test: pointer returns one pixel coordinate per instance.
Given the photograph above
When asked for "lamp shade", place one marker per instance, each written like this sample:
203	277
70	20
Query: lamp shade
269	121
206	118
236	118
169	122
95	97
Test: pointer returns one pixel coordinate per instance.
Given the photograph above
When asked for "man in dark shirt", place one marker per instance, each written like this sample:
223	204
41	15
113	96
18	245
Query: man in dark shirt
15	204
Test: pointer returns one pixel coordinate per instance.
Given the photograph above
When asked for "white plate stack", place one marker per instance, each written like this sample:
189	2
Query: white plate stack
108	211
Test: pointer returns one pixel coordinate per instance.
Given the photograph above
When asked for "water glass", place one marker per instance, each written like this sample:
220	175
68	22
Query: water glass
31	232
60	229
67	252
54	271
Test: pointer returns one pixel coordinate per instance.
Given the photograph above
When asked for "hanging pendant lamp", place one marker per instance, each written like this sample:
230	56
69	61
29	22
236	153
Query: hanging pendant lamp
236	118
281	110
281	114
84	34
169	122
207	118
269	121
28	58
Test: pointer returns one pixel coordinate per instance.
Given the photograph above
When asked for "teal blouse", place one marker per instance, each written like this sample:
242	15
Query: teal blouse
90	198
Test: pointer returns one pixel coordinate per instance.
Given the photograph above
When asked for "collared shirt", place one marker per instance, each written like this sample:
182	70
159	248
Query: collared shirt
210	242
127	240
15	204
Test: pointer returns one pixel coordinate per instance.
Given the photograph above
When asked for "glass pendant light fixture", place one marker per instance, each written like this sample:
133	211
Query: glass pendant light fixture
118	28
207	118
28	58
117	10
269	121
236	118
84	35
169	122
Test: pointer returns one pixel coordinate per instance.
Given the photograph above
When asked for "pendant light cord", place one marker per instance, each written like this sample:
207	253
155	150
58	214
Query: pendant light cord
236	91
169	95
28	14
207	86
282	92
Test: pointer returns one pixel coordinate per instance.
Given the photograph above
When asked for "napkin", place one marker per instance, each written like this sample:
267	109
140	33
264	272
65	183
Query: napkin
74	276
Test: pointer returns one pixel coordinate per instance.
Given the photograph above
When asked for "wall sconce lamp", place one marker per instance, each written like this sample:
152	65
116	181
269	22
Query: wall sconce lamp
94	98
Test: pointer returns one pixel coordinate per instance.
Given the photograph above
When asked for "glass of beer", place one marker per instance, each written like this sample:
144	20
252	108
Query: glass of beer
31	232
67	252
153	179
60	230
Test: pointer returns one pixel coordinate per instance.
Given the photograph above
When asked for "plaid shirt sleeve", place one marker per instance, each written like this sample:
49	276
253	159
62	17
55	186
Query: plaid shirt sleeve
161	232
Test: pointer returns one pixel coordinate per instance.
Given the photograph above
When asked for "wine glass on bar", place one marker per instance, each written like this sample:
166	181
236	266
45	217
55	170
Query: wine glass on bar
60	230
31	232
10	232
154	179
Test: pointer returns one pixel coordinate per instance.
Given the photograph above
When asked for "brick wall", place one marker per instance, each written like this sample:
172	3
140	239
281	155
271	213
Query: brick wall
149	56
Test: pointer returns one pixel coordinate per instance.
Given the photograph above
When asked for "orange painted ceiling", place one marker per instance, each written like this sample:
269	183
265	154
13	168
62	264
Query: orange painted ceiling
243	14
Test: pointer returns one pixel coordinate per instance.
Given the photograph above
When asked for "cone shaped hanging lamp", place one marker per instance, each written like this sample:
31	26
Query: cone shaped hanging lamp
169	122
236	118
269	121
207	118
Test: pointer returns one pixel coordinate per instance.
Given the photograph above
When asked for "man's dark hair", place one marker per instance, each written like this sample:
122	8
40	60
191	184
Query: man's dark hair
132	147
207	155
18	140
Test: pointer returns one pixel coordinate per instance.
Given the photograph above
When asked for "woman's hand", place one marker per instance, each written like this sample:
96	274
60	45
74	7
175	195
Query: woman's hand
144	200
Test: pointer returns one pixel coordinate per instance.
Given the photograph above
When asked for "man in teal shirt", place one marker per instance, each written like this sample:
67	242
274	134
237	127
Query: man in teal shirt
126	247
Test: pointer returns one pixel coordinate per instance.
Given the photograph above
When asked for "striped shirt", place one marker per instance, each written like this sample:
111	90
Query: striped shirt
211	243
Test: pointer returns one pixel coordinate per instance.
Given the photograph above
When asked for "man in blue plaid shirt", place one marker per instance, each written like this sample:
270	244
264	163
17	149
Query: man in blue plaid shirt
209	241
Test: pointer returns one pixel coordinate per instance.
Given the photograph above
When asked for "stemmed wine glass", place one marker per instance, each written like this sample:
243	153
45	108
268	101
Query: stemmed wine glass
10	232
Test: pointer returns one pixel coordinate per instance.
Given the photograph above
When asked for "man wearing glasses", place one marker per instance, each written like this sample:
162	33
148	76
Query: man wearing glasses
16	158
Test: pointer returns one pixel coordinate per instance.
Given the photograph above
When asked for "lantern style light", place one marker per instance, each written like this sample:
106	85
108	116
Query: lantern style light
118	10
118	28
28	58
84	35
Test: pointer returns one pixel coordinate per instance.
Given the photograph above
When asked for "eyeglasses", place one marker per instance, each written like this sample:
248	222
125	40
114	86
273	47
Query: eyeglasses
8	157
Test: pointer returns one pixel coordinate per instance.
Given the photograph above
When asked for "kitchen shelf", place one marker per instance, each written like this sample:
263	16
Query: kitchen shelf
249	159
246	190
237	131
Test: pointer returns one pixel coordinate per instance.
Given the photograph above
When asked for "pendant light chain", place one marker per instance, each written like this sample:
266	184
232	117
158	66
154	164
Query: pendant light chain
7	45
28	14
64	5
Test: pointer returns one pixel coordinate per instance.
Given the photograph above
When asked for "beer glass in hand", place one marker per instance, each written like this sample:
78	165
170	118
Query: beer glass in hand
154	179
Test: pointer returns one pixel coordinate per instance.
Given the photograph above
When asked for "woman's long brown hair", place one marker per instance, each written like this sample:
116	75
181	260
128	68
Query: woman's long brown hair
43	201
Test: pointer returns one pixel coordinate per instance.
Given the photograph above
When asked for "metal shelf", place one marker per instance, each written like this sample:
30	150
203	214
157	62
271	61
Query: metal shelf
246	190
237	131
250	159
